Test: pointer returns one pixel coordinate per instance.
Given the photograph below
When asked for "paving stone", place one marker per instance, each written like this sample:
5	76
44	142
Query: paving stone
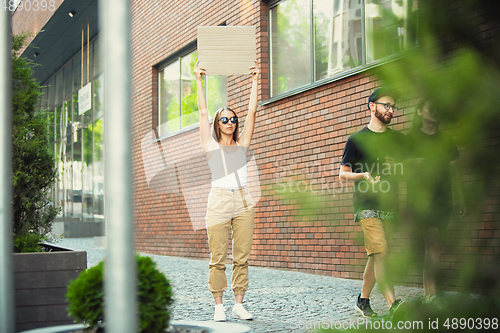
281	301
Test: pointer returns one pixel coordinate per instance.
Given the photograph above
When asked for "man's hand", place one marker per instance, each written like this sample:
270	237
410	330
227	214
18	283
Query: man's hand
370	179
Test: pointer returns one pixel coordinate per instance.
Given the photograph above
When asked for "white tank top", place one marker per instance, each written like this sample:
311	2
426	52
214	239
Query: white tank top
229	170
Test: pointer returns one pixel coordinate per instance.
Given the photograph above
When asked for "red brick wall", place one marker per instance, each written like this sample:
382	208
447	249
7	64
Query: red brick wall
298	142
305	132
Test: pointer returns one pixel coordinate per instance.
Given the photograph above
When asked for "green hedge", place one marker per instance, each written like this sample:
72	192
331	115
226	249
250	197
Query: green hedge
85	296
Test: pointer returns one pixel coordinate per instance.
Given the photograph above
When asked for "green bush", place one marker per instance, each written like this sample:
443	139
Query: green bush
155	294
33	165
29	242
85	296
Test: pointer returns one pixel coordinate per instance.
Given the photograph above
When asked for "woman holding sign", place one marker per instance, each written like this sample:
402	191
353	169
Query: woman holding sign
230	206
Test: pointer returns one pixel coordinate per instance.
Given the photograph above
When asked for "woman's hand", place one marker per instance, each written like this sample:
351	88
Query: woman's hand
199	71
255	72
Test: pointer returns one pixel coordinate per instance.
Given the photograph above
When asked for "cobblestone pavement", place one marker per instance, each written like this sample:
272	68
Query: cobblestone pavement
281	301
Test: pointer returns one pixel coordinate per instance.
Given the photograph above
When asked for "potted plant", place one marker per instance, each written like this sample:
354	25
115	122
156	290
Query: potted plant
85	296
40	277
33	163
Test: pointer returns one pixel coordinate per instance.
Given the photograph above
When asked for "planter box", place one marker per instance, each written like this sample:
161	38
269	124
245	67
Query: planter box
40	282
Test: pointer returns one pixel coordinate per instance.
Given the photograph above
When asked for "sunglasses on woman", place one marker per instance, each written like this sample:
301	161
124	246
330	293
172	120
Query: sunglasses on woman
224	120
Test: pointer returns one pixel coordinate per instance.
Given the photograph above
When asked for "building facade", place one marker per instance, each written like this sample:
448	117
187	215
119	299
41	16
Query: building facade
314	57
317	58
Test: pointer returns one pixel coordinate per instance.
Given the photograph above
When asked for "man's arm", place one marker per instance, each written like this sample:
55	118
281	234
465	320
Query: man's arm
346	175
349	157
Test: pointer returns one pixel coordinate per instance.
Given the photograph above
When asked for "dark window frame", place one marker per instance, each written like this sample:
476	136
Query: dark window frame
366	66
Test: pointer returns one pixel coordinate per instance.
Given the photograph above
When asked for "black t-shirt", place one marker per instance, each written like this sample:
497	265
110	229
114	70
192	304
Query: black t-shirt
366	151
429	182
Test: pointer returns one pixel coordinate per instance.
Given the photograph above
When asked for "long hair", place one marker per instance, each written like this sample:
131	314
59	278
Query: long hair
216	128
417	119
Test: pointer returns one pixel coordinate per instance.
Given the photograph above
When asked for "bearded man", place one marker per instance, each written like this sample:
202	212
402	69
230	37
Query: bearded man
373	161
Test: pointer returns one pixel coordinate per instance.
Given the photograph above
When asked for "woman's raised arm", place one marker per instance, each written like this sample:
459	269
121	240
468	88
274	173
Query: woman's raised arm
246	135
207	142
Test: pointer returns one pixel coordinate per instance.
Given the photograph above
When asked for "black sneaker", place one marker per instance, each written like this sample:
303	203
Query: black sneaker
399	309
364	308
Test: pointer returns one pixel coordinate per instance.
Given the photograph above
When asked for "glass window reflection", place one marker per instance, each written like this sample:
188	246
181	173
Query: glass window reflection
337	36
290	45
178	106
169	94
77	139
189	109
98	170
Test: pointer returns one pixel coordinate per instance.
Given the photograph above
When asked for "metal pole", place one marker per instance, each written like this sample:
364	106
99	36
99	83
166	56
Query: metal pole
120	277
7	313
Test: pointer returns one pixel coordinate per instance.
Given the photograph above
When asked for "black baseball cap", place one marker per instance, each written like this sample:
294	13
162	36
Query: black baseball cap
383	91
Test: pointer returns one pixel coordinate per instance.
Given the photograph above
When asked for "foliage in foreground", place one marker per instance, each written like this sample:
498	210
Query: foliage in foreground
34	171
467	314
85	296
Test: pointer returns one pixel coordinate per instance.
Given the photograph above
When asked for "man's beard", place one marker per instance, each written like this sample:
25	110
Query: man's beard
381	117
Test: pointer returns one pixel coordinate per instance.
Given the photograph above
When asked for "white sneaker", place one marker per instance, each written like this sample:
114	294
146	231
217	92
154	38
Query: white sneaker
240	312
220	314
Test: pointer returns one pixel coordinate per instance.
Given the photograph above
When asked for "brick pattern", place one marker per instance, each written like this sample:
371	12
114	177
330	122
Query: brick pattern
304	219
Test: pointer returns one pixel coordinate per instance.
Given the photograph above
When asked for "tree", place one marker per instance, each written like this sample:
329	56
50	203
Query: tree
34	171
457	66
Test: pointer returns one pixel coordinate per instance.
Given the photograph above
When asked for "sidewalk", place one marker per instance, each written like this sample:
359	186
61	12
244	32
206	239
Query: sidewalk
281	301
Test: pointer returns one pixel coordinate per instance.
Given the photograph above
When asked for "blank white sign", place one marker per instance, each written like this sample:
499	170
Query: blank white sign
227	50
85	98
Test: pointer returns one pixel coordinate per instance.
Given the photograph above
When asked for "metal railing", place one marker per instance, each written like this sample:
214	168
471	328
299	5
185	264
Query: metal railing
120	274
120	278
7	315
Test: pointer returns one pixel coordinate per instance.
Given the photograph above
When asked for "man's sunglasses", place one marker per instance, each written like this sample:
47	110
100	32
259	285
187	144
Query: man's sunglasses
387	106
224	120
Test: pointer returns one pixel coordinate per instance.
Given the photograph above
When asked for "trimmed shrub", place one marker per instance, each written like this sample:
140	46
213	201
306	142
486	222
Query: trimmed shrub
85	296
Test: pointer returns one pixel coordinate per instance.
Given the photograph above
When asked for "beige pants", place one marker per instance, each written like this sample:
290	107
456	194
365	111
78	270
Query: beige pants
229	209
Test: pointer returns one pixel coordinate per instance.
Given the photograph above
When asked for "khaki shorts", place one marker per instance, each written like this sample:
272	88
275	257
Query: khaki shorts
375	239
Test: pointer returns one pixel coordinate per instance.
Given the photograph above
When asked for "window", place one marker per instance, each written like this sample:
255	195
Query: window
312	40
178	106
77	139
